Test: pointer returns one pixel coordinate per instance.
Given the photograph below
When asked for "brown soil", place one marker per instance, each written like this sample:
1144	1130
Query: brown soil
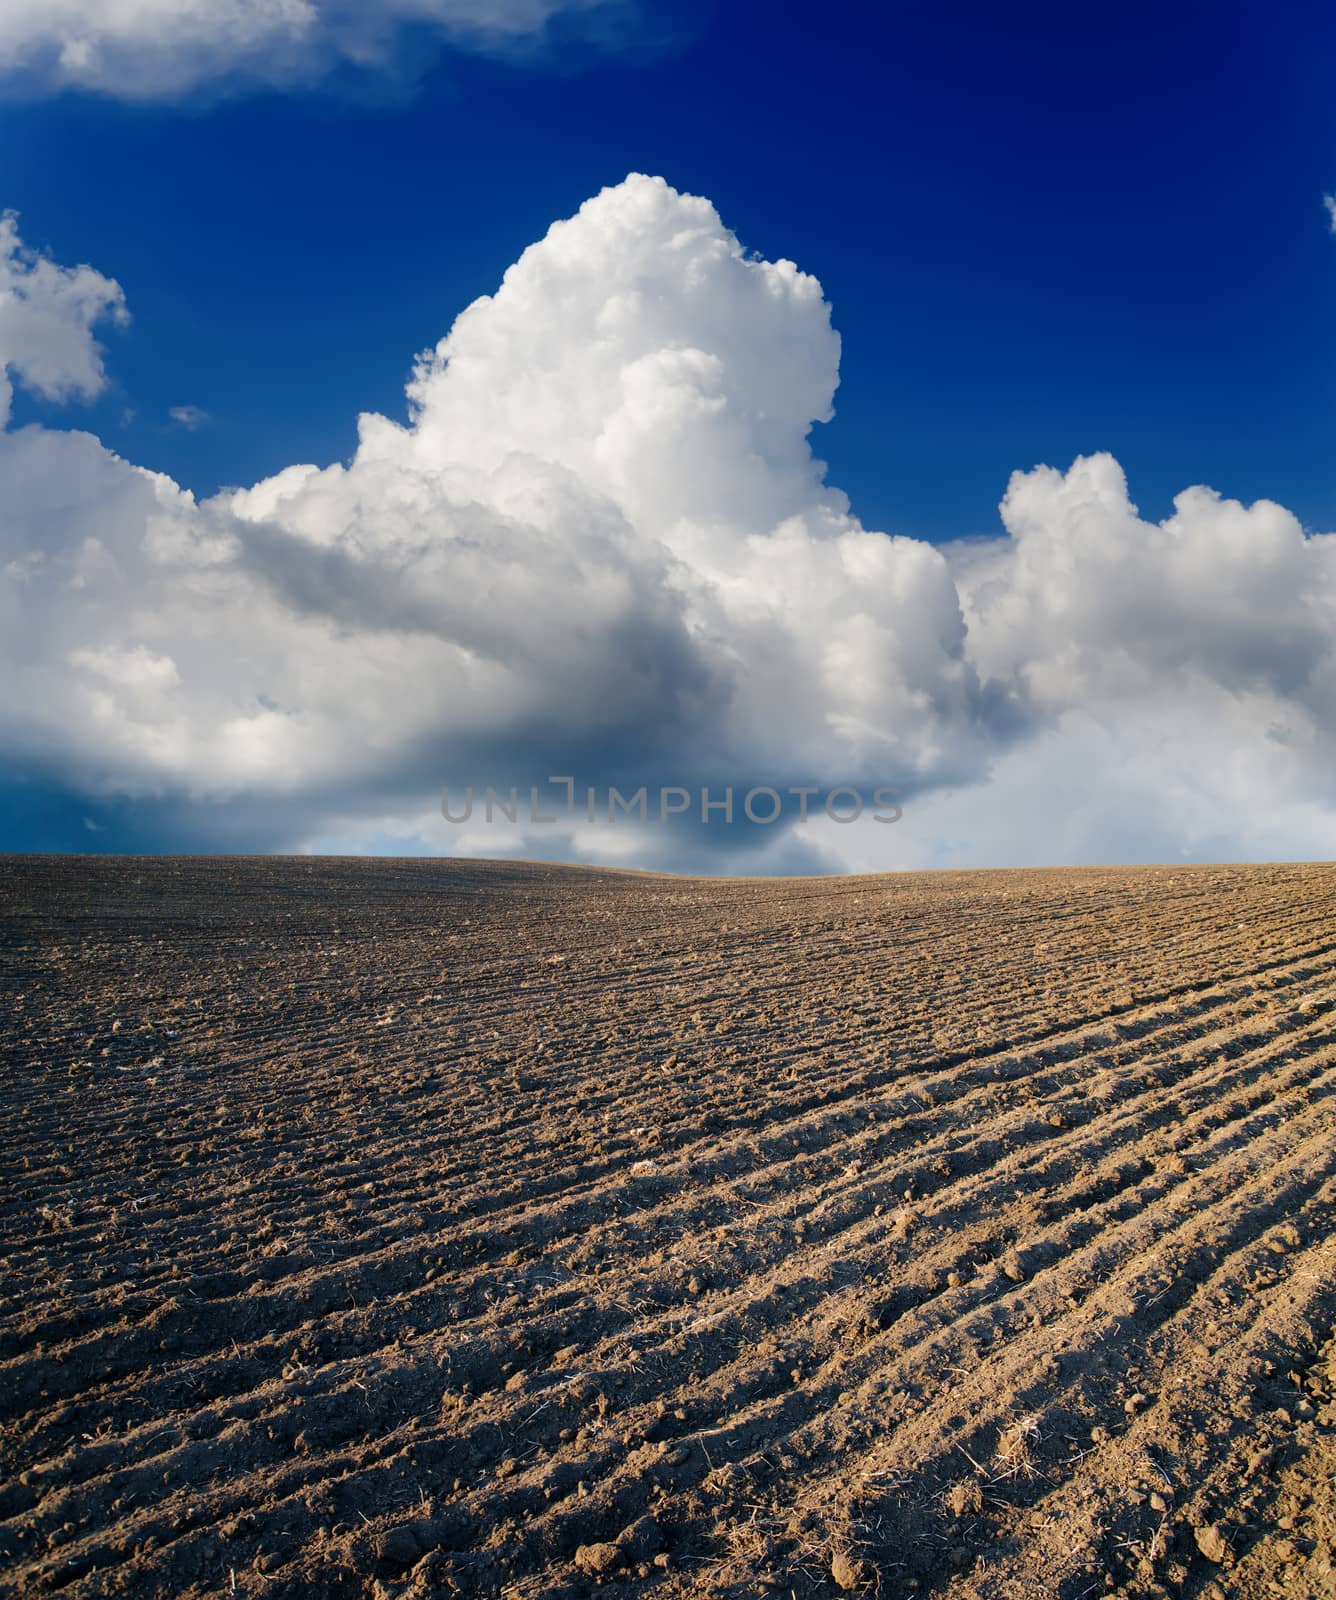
420	1228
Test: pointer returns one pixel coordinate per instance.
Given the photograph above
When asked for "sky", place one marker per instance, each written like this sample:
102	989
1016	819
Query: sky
929	247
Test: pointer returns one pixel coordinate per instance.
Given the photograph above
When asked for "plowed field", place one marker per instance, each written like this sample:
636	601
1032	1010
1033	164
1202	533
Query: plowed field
414	1228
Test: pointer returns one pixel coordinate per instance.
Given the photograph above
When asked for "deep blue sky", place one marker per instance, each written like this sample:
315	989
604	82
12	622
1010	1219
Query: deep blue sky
1044	229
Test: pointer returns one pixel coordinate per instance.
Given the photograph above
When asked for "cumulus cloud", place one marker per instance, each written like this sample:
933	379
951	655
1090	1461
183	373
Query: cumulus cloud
191	418
47	317
152	49
602	546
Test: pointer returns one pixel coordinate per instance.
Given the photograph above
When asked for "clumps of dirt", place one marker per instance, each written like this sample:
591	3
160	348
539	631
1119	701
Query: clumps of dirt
965	1498
402	1545
850	1571
1210	1540
906	1221
633	1547
599	1559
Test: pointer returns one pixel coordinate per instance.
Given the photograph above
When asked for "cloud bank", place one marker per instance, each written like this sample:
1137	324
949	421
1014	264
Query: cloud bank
162	49
602	546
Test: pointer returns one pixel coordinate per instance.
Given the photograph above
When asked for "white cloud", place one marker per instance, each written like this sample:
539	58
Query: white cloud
603	546
191	418
47	316
1329	201
147	49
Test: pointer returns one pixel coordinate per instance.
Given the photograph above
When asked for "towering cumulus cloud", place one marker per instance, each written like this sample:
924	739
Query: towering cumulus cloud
602	545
